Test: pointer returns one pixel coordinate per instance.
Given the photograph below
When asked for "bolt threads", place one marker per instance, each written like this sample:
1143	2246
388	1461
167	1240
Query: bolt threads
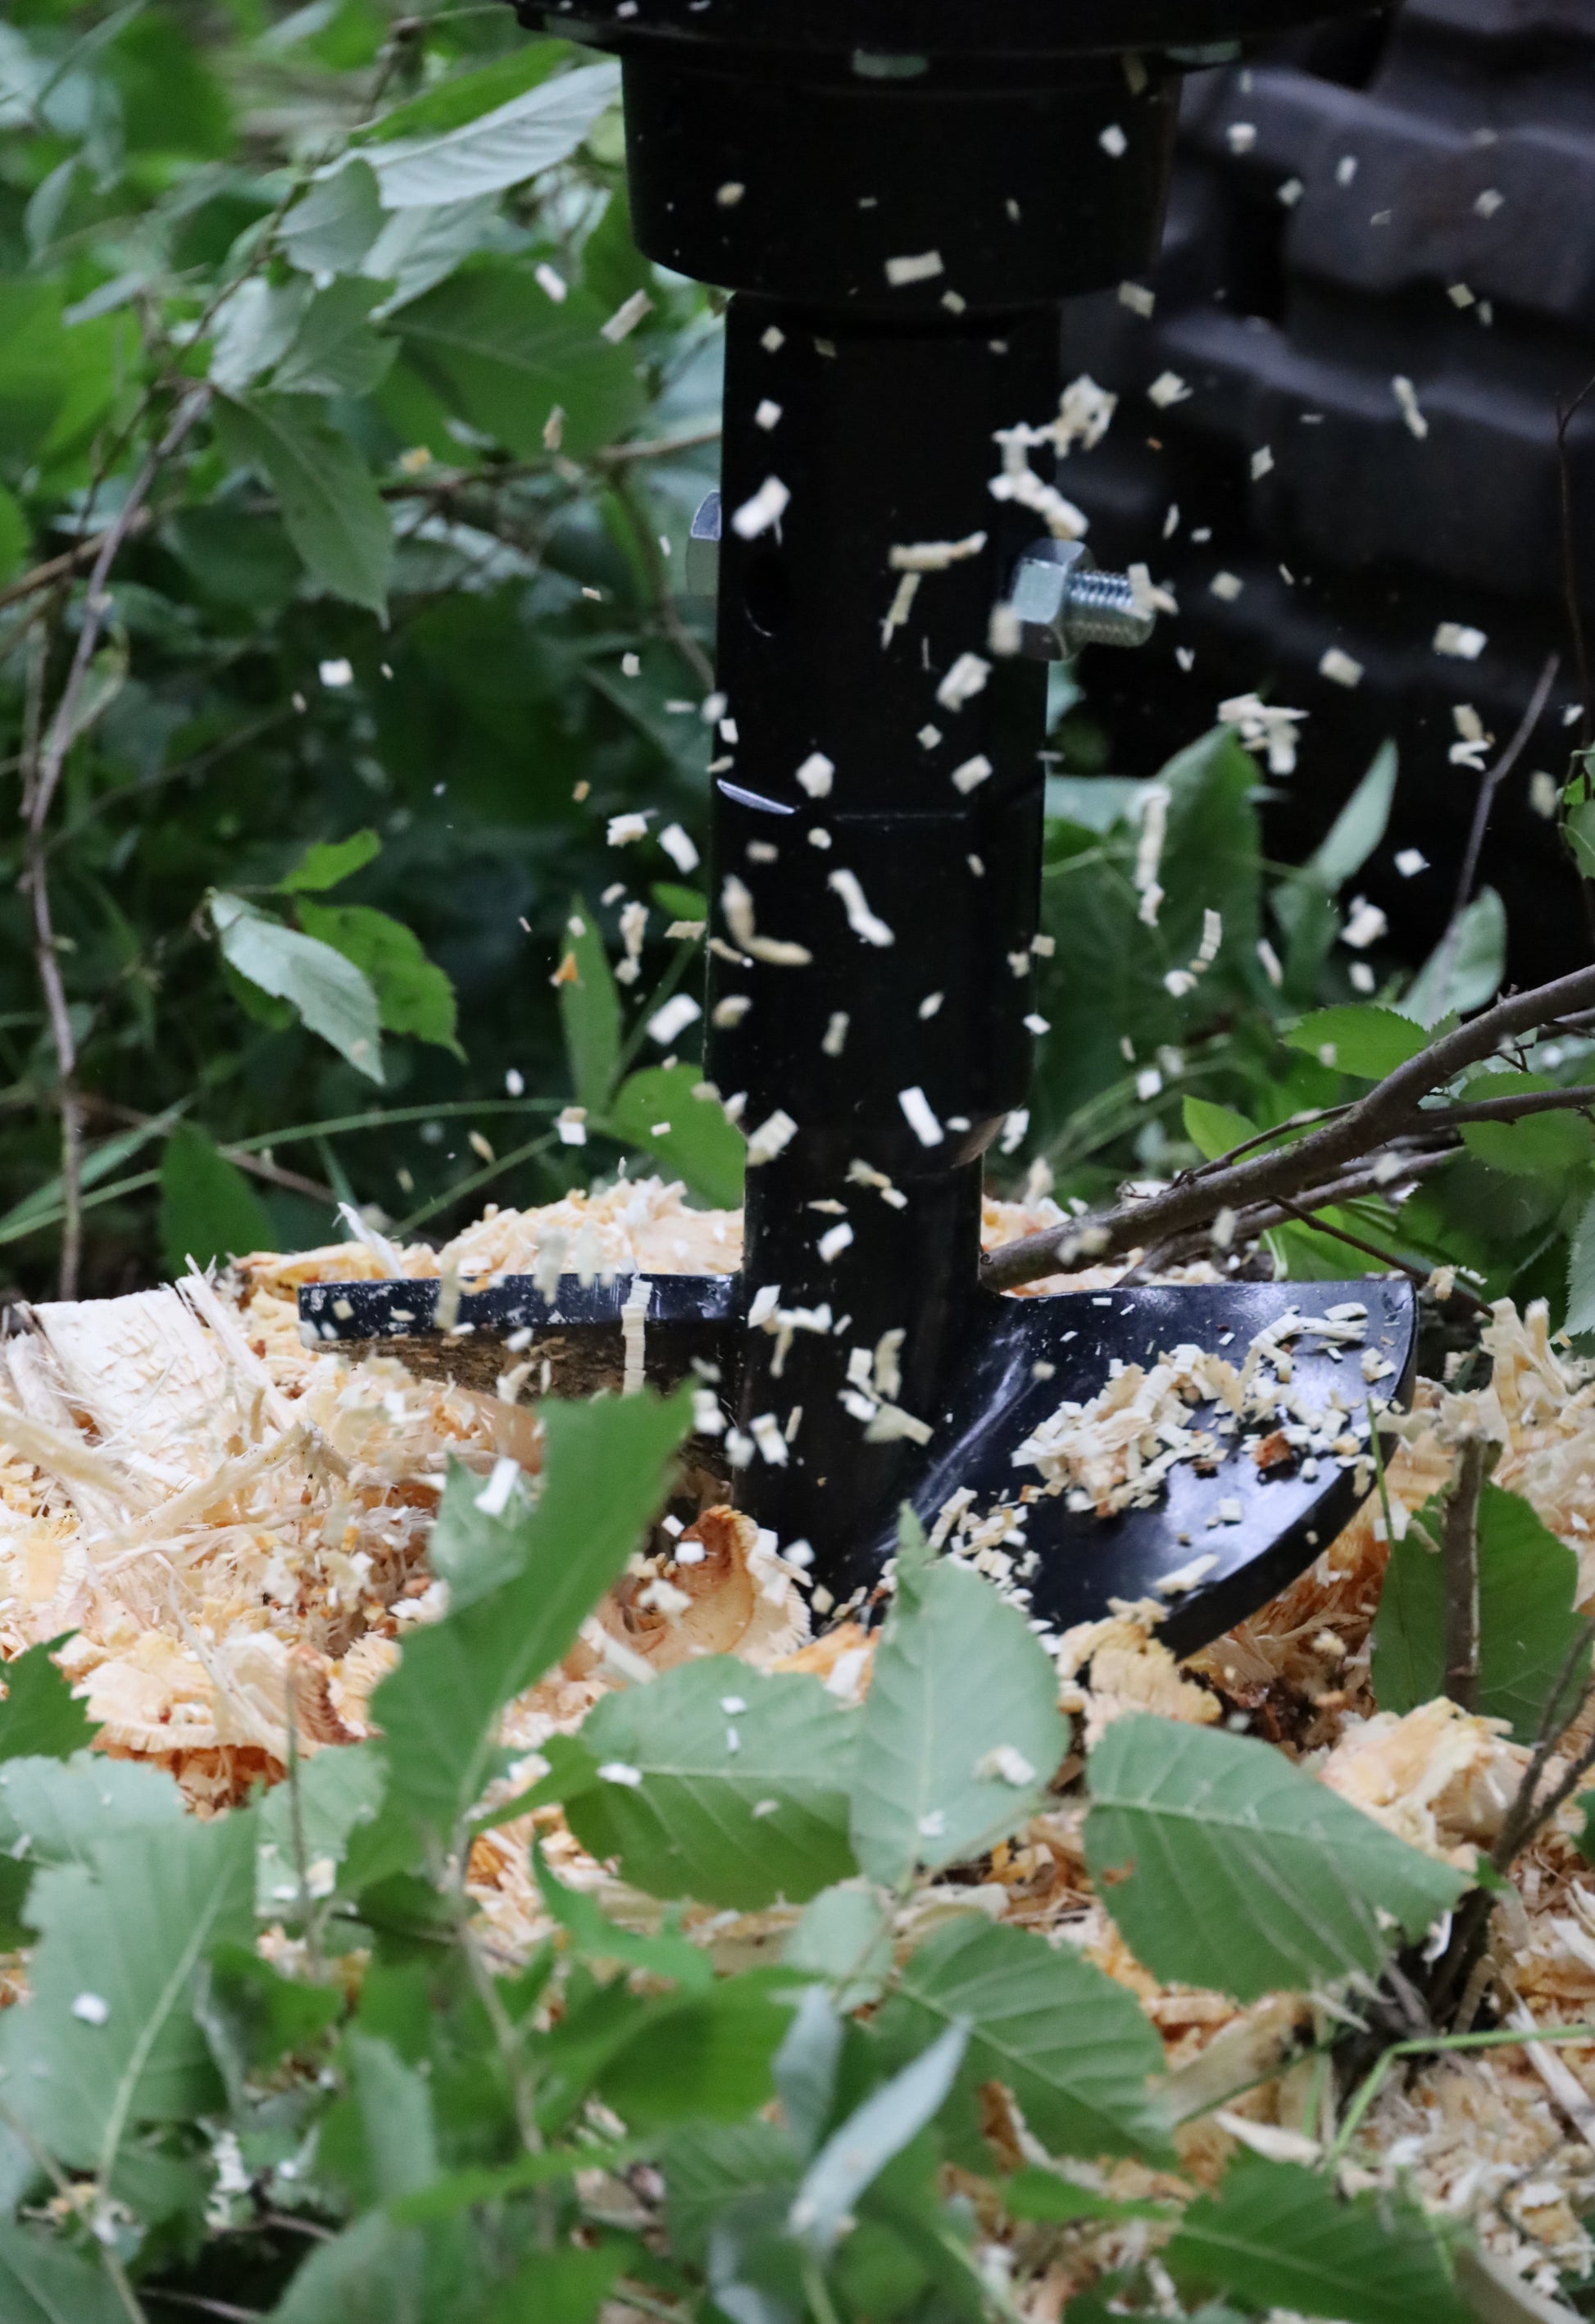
1103	610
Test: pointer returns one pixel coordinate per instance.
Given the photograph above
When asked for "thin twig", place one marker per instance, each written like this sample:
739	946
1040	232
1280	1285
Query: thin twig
1487	789
1460	1551
1391	1110
1340	1234
43	778
62	568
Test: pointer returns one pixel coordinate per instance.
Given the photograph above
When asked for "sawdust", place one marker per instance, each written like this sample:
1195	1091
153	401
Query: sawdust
226	1517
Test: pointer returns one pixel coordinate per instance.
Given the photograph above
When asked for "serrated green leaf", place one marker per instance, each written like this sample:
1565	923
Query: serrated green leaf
1529	1621
208	1209
658	1111
845	1937
107	2040
503	354
1215	1130
332	225
859	2149
57	1811
465	96
594	1936
253	326
1074	2047
328	863
374	2272
489	150
1462	972
709	2167
733	1806
332	509
1361	1040
253	2016
589	1011
561	2287
334	351
1278	2237
413	995
329	992
1580	1273
41	2282
703	2058
41	1717
1034	2193
960	1734
605	1469
324	1802
1541	1145
1224	1866
1360	826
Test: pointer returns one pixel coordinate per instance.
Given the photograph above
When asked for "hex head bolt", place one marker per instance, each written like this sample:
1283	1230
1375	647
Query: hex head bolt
1062	601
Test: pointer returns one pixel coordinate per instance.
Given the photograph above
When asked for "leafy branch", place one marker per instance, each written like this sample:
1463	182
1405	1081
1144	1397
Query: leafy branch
1320	1167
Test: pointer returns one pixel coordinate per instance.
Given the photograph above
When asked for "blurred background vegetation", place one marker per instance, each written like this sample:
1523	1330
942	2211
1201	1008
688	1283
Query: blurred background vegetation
329	323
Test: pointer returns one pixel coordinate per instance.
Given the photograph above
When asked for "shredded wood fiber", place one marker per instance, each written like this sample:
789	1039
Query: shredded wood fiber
222	1515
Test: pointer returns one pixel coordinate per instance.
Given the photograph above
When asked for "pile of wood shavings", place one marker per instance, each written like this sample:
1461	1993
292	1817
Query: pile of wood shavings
1115	1450
219	1511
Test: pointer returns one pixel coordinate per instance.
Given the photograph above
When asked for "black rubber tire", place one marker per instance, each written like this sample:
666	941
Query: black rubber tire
1293	294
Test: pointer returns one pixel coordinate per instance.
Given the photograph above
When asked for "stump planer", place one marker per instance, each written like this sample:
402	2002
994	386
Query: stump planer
901	194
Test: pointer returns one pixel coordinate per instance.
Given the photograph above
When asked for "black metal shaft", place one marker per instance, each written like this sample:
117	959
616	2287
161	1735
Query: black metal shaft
876	839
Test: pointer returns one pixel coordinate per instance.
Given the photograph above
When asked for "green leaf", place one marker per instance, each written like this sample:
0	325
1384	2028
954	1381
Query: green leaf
253	2017
41	1717
14	535
1224	1866
395	2109
333	513
1364	1041
413	995
705	2057
1278	2237
1074	2047
594	1936
41	2282
1581	1274
1360	826
605	1470
589	1011
1463	972
741	1783
1579	826
462	2190
468	95
208	1209
1541	1145
711	2167
339	1792
561	2287
845	1937
330	228
329	992
859	2149
500	351
1215	1130
328	863
107	2040
372	2274
255	327
1035	2193
334	351
1529	1621
488	150
961	1733
658	1112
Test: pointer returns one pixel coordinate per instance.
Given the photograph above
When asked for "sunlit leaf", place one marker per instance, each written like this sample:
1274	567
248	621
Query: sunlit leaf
413	995
1365	1041
660	1112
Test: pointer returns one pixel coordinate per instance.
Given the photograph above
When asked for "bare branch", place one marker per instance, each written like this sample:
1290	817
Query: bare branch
1391	1110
